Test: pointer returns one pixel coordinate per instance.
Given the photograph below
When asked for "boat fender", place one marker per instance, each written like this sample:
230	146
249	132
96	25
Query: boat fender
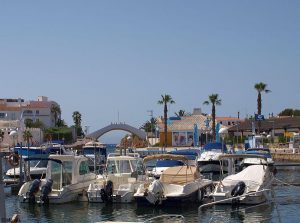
46	190
238	189
33	189
13	160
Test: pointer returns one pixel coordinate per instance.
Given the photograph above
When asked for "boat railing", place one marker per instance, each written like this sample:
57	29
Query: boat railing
232	198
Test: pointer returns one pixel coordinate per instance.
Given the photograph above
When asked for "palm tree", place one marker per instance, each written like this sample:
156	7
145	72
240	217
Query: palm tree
260	87
77	118
149	126
55	110
27	136
165	99
213	100
77	121
180	113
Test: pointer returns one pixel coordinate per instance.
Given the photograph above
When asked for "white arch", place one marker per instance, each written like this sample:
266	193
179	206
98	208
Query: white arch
119	126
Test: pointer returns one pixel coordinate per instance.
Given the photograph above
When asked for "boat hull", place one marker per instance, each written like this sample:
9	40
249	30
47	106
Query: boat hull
170	201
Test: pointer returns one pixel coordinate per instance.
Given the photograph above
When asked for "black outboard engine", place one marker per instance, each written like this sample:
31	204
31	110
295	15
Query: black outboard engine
238	189
107	192
33	189
46	190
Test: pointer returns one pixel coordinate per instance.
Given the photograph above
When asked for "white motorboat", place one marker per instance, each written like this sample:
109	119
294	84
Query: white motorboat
176	184
124	173
67	178
257	161
38	170
209	162
250	186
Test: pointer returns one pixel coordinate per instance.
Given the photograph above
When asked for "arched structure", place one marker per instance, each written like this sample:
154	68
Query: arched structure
118	126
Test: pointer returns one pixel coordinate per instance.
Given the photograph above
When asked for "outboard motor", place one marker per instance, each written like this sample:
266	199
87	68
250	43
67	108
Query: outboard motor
238	189
46	190
107	192
155	192
33	189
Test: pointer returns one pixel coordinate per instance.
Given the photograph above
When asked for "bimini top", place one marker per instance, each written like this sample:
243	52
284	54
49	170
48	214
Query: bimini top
215	146
166	156
93	144
180	174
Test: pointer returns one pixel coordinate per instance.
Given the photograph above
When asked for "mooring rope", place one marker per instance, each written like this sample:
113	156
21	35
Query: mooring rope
280	181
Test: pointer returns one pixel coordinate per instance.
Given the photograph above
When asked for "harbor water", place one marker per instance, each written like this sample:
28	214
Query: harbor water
283	207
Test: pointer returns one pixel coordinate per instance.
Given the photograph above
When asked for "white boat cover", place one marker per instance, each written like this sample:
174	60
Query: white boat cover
180	174
251	175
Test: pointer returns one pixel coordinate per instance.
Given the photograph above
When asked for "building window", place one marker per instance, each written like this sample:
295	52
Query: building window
37	112
2	115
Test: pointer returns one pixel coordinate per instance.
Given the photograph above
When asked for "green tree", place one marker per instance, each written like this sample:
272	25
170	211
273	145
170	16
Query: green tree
213	100
61	123
27	136
149	126
165	100
289	112
260	87
76	118
180	113
56	111
28	123
77	121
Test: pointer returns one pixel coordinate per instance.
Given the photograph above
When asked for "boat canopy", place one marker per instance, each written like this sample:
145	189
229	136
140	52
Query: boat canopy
215	146
166	156
180	174
253	174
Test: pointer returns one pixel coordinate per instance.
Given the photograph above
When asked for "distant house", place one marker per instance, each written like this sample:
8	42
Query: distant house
14	112
280	126
228	121
18	110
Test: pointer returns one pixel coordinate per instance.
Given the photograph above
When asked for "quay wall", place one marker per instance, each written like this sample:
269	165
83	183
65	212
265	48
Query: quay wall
285	155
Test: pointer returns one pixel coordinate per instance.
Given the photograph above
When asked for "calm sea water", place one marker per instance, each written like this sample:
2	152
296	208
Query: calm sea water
285	209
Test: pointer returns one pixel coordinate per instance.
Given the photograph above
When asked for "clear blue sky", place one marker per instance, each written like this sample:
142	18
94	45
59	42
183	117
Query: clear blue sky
101	57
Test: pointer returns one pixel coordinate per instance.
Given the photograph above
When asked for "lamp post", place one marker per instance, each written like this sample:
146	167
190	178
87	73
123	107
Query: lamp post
129	138
223	131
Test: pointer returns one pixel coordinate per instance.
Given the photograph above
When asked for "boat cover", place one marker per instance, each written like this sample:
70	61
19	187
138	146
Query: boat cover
180	174
253	174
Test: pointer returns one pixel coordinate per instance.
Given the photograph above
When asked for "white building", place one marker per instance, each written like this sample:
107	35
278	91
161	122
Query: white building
13	113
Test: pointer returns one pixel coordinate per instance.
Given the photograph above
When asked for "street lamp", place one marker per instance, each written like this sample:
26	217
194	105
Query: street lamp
223	131
129	138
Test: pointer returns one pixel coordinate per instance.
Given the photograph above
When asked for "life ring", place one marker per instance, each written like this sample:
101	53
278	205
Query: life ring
13	160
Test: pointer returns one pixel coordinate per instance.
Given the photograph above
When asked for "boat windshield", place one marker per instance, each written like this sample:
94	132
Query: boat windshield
121	166
38	163
61	174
